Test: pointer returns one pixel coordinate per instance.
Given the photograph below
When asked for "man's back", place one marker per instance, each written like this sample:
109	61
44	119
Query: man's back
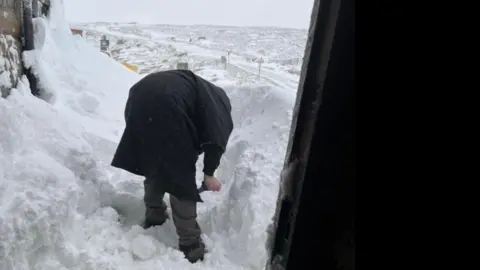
206	105
177	85
170	117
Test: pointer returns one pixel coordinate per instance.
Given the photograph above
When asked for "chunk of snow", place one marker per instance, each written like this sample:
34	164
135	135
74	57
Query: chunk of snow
88	102
143	247
5	79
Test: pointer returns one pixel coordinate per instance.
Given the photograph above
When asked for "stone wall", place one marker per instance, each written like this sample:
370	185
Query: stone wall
11	66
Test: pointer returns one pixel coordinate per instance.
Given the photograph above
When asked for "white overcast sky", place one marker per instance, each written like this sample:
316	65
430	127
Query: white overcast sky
281	13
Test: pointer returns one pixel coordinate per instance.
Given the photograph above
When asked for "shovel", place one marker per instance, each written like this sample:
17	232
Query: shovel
203	187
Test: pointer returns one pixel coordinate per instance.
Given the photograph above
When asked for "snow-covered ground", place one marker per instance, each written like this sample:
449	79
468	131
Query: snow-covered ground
62	206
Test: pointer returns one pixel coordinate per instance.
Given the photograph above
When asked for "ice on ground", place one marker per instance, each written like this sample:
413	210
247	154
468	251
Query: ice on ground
62	206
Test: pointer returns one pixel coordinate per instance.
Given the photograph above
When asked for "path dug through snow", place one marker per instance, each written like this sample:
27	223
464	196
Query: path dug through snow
63	207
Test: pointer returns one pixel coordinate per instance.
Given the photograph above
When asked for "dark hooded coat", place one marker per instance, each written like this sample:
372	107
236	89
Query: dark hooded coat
169	116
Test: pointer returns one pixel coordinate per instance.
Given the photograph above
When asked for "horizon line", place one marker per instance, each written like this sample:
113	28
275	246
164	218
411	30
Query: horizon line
173	24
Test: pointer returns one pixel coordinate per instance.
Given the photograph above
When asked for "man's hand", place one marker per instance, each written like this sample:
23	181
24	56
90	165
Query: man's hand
212	183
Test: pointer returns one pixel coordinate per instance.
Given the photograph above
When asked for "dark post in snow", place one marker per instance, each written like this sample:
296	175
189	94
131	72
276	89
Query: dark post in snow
104	43
45	7
224	61
260	61
28	41
35	12
228	55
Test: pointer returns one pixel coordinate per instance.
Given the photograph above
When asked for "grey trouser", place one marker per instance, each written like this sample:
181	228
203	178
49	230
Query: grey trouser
184	213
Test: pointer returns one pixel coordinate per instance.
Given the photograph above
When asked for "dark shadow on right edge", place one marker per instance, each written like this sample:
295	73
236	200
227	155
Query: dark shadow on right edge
316	208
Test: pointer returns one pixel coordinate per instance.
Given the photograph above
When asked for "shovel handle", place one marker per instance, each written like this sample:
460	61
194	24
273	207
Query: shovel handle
203	187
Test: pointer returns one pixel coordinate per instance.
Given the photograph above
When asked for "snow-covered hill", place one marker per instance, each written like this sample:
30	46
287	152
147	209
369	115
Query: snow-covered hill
158	47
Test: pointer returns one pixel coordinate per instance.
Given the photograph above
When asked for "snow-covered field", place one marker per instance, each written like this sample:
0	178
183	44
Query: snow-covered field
158	47
62	206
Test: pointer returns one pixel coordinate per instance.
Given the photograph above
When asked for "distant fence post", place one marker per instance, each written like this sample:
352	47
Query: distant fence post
104	43
182	65
224	61
260	61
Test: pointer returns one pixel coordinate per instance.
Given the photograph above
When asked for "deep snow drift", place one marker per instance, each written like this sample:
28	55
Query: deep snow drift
63	207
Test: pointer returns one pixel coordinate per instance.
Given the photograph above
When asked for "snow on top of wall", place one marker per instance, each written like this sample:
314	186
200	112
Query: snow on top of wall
9	64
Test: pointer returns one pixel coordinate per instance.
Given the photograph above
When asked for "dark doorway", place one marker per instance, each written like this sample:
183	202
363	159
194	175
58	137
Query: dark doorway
316	209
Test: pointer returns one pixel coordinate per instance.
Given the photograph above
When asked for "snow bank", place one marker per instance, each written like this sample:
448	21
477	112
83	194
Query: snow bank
250	173
78	79
63	207
48	172
40	182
